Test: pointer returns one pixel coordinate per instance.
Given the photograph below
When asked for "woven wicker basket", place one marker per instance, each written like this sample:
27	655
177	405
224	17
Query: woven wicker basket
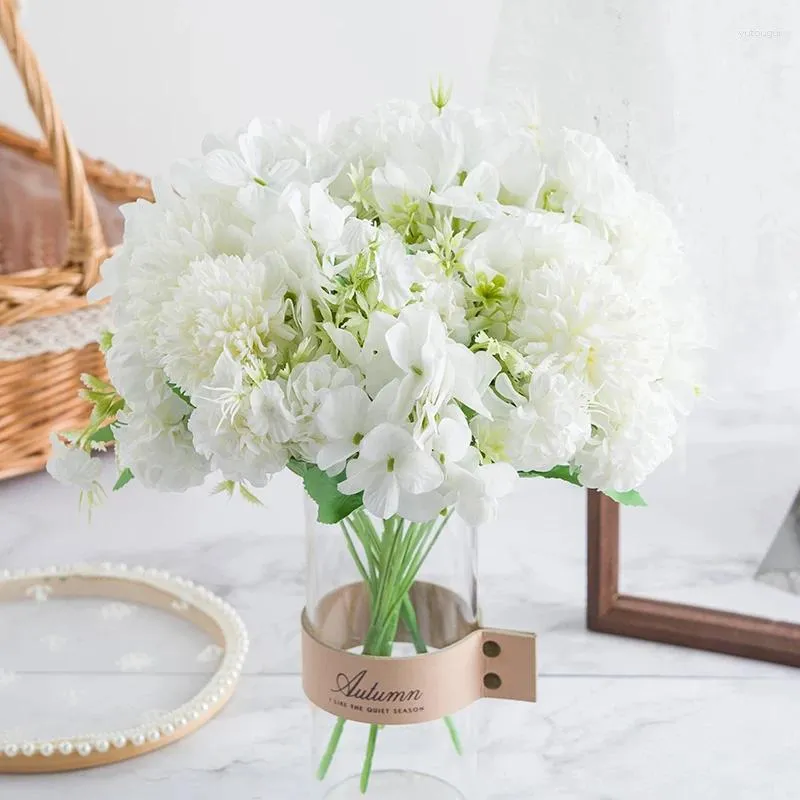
44	311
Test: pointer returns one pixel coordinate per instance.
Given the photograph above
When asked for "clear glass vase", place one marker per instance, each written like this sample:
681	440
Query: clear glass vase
392	588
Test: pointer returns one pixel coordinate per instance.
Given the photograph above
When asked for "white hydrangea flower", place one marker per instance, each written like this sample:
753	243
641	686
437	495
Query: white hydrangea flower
393	472
520	167
342	420
591	182
397	272
156	446
326	218
307	389
269	156
447	295
476	198
74	467
479	487
515	247
269	416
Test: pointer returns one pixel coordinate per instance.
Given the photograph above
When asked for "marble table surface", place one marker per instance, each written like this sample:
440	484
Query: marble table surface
616	720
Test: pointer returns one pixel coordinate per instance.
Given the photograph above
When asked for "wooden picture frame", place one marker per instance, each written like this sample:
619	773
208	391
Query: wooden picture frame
608	611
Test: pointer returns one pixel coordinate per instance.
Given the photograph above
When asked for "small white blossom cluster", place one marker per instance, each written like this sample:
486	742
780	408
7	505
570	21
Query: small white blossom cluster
424	302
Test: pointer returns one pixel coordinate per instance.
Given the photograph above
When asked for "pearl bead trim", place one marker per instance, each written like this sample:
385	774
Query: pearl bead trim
151	586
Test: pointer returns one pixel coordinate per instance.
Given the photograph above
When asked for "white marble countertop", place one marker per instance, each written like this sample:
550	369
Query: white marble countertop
616	719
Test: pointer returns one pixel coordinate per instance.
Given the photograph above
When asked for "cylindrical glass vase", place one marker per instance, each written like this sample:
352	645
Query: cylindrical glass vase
392	588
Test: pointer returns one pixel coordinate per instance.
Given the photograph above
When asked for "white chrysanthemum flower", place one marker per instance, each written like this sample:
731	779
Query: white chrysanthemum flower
540	431
142	385
582	320
221	425
228	304
162	240
627	446
515	247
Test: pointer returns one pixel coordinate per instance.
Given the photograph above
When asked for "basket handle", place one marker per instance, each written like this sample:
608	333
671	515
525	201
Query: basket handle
86	246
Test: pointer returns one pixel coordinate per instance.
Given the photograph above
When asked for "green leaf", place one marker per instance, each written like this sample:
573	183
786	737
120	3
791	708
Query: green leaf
249	496
180	393
106	339
105	434
629	498
324	491
95	384
224	487
125	477
562	473
565	473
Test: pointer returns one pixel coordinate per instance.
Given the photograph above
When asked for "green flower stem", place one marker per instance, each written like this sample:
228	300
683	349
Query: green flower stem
330	750
409	616
388	565
366	771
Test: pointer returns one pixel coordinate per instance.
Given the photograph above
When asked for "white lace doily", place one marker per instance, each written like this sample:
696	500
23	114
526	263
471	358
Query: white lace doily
54	334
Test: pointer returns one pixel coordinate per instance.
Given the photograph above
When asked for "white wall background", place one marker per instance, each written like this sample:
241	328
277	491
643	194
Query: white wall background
701	99
142	81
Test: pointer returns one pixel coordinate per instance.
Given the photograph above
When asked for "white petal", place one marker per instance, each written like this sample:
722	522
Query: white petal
335	454
398	340
385	441
472	373
342	414
418	472
381	497
393	403
227	168
359	475
499	479
422	507
345	342
483	182
453	439
507	391
325	217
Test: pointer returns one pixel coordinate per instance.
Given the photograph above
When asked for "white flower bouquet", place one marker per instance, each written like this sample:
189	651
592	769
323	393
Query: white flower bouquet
409	310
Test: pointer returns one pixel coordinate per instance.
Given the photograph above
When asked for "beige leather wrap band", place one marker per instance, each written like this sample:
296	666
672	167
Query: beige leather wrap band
421	688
